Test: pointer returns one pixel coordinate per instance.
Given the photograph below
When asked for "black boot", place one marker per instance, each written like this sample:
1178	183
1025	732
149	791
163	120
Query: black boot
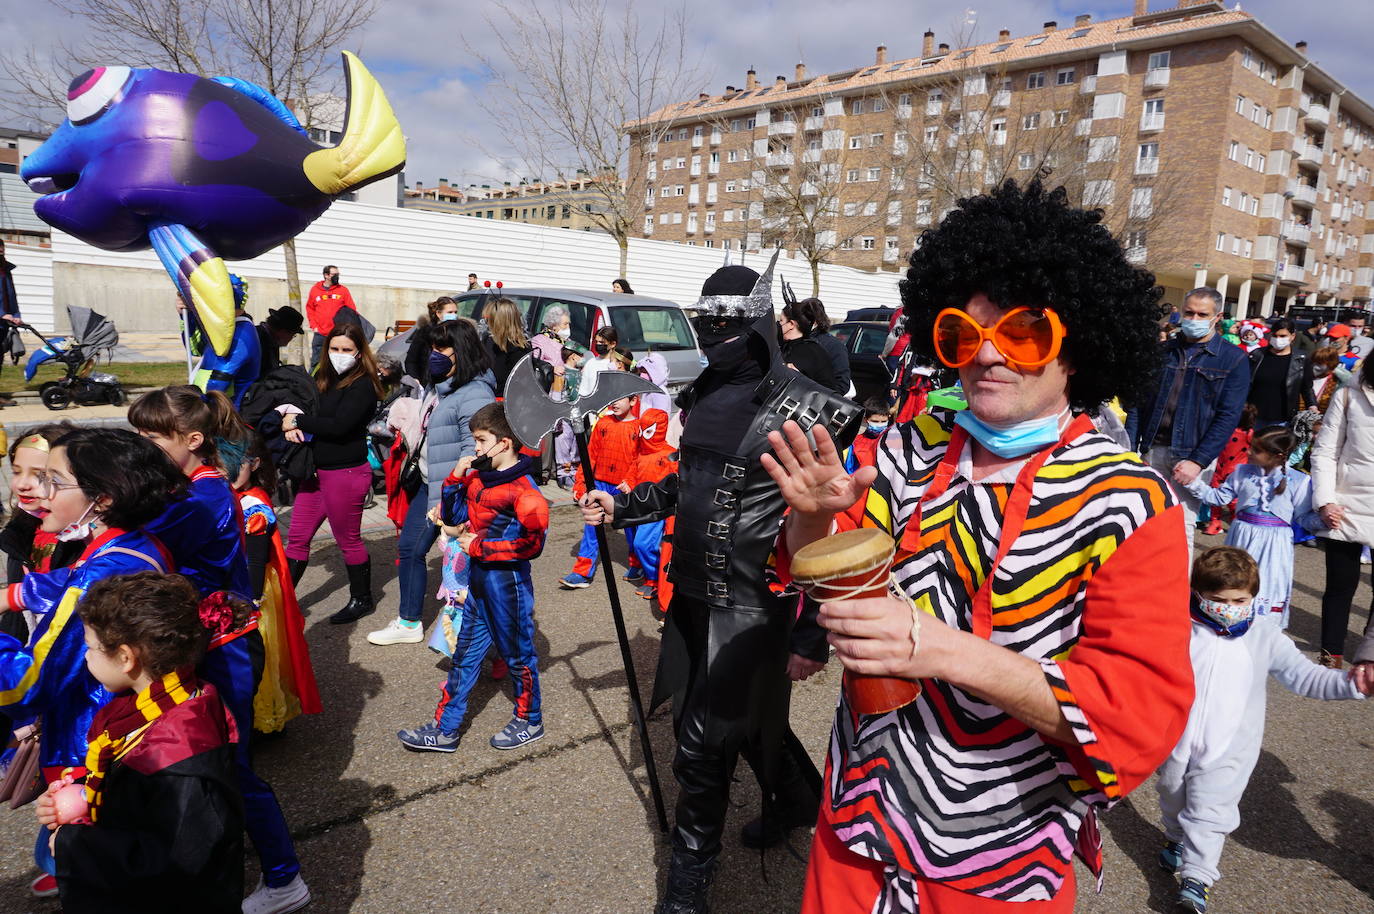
359	594
794	804
689	884
297	569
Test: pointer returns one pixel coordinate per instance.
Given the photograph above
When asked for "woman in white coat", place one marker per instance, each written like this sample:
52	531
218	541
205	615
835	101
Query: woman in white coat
1343	491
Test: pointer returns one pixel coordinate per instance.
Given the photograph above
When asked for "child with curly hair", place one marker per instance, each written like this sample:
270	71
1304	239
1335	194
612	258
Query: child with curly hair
158	825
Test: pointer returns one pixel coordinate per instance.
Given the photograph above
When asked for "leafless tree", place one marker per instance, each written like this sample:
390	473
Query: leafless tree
572	86
289	47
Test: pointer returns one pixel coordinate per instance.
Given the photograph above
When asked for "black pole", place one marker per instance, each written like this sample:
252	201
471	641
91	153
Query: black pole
608	574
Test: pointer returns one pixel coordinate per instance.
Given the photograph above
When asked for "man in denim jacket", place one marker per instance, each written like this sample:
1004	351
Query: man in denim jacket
1202	389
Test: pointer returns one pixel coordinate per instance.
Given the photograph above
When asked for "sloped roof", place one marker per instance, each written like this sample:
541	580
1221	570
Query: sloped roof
1015	54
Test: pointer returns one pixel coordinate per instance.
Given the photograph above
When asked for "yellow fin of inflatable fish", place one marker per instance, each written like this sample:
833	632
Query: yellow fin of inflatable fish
373	145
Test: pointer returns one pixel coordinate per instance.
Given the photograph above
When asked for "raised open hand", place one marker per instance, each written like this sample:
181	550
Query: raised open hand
813	482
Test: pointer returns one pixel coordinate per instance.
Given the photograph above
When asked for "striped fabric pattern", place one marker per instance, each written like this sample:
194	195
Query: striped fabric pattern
950	786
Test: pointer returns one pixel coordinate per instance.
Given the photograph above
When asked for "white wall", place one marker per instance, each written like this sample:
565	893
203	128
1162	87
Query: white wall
33	285
406	249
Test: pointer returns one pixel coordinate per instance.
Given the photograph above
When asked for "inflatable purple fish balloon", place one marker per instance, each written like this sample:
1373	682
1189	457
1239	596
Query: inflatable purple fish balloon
202	169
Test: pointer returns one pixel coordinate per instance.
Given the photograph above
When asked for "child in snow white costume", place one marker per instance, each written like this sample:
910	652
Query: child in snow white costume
102	486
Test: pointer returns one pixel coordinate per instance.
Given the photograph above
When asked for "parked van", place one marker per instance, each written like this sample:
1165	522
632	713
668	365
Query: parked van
641	322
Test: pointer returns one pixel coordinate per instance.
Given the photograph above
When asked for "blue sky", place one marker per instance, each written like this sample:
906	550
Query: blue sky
420	51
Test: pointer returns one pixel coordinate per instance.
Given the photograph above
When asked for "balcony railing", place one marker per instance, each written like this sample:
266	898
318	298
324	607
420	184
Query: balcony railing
1303	193
780	159
814	122
811	155
1292	272
1001	98
1137	254
697	141
1088	86
777	128
1310	155
1296	233
709	227
713	168
934	108
1151	123
903	112
1083	127
890	255
1157	78
1319	114
1149	166
715	137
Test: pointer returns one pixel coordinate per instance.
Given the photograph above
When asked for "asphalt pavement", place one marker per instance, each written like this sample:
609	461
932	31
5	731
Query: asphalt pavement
566	825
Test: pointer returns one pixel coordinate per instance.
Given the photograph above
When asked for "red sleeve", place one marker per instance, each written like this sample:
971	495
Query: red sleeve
532	512
1126	686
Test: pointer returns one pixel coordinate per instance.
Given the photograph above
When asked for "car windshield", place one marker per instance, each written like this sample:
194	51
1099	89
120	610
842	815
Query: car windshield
643	327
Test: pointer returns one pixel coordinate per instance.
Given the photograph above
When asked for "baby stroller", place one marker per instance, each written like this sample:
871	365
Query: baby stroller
92	335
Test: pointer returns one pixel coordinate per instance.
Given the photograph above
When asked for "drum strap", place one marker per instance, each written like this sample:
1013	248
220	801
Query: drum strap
1014	519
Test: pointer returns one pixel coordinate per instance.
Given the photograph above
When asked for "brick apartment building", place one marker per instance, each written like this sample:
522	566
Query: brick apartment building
1219	152
557	204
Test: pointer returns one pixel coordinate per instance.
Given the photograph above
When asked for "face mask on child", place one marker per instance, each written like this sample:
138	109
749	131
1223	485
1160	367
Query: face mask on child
877	428
1226	618
600	348
483	463
78	530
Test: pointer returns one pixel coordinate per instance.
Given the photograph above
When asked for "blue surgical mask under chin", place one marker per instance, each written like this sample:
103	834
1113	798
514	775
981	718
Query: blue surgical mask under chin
1015	440
1195	329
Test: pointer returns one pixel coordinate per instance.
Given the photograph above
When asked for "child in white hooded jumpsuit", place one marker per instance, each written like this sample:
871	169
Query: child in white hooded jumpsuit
1201	783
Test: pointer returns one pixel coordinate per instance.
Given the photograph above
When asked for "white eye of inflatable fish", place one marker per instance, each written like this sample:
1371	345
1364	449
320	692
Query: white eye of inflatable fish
93	92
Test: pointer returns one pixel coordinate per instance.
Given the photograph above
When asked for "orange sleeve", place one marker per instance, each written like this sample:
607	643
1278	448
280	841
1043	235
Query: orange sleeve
1126	686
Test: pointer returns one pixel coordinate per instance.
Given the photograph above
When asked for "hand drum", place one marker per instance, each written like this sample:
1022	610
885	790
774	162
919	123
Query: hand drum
855	565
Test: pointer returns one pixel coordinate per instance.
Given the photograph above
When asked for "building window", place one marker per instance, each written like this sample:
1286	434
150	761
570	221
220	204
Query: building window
856	142
851	176
1148	151
1102	148
904	99
932	136
1240	104
851	209
1249	250
681	162
1061	117
1235	245
1254	206
1142	202
679	190
1233	153
1249	158
1065	77
1031	121
1226	196
732	155
729	187
874	174
715	158
1259	162
856	106
867	242
1221	241
818	111
696	131
847	244
648	224
871	208
1159	60
1035	80
875	140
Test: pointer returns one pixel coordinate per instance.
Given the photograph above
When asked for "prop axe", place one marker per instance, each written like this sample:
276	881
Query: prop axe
532	414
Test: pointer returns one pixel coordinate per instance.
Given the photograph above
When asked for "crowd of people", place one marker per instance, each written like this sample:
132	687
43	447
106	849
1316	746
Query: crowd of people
154	629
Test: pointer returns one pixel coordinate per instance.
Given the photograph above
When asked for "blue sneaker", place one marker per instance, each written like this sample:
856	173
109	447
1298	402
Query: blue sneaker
517	733
1192	895
428	738
1171	857
633	576
574	581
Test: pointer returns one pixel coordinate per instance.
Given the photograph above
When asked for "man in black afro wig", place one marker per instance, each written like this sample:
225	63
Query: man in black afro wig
1029	246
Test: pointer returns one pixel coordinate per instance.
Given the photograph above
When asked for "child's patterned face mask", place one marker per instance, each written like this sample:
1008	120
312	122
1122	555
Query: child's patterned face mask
1226	615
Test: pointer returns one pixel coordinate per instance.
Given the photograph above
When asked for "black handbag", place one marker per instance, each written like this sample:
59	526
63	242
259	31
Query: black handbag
411	478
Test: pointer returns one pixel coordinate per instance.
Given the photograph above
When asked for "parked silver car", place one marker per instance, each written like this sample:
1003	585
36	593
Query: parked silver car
642	322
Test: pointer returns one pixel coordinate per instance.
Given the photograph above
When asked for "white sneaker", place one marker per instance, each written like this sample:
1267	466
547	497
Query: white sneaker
398	631
280	900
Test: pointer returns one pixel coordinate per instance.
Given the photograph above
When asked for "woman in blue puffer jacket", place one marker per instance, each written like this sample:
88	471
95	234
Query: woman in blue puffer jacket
463	383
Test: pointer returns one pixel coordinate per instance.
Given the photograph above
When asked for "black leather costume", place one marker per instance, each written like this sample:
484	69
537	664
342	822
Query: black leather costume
728	635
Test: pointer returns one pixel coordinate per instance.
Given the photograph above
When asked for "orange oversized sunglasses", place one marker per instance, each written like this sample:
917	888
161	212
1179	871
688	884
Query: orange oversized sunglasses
1028	338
